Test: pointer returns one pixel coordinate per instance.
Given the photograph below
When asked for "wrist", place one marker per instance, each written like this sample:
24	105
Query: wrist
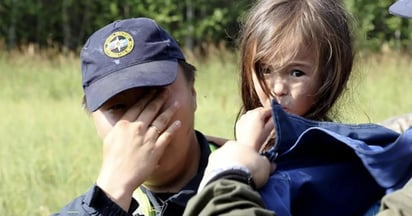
97	199
238	173
119	195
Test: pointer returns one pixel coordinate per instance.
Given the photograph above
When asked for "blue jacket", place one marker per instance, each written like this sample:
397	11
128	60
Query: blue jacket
326	168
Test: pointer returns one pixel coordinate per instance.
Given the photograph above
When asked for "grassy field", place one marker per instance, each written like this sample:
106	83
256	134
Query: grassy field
49	151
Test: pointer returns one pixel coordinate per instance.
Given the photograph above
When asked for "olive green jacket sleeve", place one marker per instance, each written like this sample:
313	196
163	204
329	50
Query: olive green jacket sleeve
226	197
398	203
229	198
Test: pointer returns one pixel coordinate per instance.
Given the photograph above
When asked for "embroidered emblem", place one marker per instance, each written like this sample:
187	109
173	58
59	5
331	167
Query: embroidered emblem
118	44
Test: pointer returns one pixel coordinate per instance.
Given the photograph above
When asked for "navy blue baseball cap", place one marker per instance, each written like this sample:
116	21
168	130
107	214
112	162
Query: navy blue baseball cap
402	8
127	54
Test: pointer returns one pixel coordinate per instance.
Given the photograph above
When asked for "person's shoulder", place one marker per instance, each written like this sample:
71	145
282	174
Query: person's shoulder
399	201
398	123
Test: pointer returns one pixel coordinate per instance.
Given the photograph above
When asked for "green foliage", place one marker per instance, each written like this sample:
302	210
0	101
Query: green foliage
68	23
194	23
376	28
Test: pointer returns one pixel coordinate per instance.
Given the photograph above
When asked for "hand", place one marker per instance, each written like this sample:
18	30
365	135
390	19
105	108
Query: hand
235	154
254	127
134	146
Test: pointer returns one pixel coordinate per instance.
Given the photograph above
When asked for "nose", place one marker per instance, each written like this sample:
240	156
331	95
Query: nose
280	87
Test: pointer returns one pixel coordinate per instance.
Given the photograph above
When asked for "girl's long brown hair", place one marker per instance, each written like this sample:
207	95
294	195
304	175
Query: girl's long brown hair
274	30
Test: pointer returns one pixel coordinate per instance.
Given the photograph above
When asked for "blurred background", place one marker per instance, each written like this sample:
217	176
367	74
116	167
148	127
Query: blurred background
49	151
64	25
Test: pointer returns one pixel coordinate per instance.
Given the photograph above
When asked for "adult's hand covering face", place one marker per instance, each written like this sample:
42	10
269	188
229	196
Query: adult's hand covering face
133	147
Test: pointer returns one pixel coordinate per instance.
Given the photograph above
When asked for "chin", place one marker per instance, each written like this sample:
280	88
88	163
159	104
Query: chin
157	178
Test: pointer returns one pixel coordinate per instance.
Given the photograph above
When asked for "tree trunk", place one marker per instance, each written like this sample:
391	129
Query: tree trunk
11	42
189	17
66	26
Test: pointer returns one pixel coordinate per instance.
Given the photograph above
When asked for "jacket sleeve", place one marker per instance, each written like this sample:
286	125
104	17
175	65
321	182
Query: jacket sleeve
225	197
94	202
398	203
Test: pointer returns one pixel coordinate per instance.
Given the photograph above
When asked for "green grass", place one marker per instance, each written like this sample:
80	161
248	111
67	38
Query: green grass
218	96
49	150
381	88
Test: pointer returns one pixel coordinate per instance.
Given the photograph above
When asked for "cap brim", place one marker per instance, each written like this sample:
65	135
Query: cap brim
155	73
402	8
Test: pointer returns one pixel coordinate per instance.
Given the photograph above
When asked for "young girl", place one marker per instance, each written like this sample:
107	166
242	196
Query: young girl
296	58
297	52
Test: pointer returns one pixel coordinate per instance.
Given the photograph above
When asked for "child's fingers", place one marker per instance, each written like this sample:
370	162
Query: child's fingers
266	112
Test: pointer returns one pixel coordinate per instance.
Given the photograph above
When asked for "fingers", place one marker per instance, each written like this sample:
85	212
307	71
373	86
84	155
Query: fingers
272	167
163	138
235	154
161	122
260	175
151	101
152	108
151	117
154	118
157	130
147	114
254	127
166	135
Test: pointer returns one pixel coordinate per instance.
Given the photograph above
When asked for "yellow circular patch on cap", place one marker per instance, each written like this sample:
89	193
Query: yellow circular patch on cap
118	44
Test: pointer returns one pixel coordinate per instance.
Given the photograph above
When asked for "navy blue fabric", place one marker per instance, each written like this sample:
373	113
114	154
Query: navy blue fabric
326	168
402	8
149	58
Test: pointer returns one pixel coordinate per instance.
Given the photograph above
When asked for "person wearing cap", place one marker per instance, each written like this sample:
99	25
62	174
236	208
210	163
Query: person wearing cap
402	8
140	92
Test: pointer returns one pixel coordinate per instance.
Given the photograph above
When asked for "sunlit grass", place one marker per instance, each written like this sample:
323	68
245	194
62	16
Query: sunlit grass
50	152
380	89
218	96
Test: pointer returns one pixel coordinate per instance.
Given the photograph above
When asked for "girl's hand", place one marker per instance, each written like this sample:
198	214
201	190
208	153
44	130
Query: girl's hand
254	127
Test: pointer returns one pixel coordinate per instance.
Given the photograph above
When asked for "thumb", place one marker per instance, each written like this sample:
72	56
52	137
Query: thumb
273	167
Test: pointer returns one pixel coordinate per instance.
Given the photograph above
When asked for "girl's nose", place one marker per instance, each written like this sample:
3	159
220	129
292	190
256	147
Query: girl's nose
280	88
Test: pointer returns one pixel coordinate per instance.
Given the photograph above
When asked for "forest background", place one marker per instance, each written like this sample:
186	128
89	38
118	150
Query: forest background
66	24
49	151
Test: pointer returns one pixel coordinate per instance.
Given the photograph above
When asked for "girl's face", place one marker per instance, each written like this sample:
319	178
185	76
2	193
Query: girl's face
293	86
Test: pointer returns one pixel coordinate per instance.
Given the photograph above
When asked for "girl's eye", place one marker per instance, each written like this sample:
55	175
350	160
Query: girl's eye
266	71
262	68
297	73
